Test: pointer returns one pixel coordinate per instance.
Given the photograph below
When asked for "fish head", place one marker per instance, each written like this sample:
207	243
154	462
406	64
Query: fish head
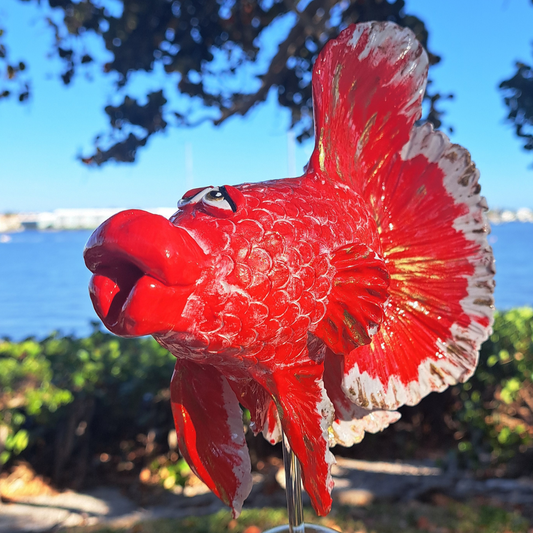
153	276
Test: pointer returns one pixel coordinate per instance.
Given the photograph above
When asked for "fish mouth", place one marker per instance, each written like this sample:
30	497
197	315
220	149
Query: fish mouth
144	268
110	288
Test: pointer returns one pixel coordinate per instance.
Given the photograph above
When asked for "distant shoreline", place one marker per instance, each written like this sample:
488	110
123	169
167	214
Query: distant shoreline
90	219
65	219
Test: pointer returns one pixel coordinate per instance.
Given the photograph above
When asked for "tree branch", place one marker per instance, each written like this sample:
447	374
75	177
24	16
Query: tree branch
273	76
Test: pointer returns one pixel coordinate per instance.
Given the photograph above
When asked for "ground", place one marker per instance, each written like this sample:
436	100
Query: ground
370	497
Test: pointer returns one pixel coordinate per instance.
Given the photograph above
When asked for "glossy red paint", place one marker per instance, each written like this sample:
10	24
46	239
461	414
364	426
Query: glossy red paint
319	303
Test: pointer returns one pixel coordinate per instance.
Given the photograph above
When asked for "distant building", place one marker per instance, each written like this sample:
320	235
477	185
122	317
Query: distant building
524	215
9	223
508	216
72	219
501	216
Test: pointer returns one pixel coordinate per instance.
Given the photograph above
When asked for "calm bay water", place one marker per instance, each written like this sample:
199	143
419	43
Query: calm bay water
43	280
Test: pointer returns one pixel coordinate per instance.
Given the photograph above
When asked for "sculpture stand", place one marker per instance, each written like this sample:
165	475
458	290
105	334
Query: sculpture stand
293	489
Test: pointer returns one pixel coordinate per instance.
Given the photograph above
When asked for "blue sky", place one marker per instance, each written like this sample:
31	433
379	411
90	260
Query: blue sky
479	40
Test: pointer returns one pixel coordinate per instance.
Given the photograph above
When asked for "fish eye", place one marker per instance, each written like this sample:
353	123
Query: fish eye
218	202
215	196
193	196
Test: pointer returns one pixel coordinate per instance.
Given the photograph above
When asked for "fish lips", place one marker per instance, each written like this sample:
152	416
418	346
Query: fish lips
144	270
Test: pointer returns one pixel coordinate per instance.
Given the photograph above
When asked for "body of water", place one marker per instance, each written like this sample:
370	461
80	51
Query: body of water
43	284
43	280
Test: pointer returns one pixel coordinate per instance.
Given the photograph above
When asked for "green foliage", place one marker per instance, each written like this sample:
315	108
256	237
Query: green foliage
26	390
171	474
495	407
106	397
120	376
102	362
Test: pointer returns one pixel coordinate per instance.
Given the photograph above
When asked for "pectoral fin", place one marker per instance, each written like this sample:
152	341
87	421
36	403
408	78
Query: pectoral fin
357	299
210	432
306	413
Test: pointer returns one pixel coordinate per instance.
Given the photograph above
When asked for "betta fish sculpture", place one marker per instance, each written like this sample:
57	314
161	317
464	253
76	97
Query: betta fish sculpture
320	303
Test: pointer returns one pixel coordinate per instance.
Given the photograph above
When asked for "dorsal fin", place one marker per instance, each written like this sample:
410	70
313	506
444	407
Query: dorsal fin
368	84
357	299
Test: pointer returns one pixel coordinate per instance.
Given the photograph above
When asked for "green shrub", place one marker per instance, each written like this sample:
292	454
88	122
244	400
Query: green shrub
66	401
26	389
60	391
495	408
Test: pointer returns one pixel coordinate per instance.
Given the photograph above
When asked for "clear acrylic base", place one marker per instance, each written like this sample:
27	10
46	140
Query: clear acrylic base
293	489
302	528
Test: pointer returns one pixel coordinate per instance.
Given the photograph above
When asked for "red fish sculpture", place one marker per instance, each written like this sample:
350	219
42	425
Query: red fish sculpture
319	303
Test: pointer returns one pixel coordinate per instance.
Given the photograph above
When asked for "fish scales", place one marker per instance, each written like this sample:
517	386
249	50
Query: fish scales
277	280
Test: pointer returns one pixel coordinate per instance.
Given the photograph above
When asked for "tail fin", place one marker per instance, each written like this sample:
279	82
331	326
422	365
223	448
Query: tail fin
368	86
434	235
